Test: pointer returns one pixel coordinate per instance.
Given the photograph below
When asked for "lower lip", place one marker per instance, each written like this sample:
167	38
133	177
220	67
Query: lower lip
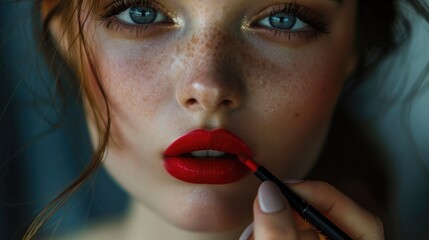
206	170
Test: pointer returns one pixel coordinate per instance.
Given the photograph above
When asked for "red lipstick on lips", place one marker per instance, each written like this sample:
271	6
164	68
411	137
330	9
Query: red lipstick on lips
207	157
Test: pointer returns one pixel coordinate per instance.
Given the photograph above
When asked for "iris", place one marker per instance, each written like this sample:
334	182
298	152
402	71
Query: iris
282	21
143	15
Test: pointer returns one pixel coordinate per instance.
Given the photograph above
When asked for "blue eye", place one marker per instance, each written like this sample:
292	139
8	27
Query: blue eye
141	15
283	21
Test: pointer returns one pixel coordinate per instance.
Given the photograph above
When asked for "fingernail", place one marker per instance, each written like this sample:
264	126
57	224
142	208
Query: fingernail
247	232
292	181
270	198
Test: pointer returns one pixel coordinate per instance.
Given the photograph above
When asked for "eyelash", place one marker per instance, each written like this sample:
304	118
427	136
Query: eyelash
109	20
316	21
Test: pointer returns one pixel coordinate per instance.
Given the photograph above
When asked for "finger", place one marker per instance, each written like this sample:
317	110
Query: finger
305	231
308	234
247	232
272	215
344	212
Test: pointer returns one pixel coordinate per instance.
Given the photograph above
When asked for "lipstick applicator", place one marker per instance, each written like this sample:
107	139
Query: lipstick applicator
305	210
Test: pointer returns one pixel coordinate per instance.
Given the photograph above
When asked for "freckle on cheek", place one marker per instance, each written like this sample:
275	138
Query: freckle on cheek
133	81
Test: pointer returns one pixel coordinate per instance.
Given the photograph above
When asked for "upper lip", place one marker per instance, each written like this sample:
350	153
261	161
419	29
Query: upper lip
200	139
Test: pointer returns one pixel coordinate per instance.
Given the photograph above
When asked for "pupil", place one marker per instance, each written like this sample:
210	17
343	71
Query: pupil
282	21
142	15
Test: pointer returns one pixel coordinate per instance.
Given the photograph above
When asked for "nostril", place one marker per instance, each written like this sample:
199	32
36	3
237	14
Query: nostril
225	103
191	101
228	103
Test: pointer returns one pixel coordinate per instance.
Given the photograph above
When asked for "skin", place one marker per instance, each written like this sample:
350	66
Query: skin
212	69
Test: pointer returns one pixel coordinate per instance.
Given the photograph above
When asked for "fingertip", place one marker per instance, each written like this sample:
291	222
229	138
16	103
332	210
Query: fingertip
294	181
272	215
270	199
247	232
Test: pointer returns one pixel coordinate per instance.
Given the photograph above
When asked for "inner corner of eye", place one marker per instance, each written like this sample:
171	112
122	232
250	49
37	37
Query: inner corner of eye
263	22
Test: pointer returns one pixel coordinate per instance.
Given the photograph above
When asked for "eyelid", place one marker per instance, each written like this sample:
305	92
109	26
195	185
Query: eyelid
160	17
307	15
119	6
299	24
110	21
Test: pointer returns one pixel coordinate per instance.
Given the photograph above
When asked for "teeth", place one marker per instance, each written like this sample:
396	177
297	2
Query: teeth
202	153
207	153
214	153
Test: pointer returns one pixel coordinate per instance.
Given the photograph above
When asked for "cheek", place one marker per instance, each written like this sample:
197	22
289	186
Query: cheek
293	95
295	85
302	80
135	78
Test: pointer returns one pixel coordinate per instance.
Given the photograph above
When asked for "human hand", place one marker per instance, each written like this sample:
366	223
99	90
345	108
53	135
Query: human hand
275	219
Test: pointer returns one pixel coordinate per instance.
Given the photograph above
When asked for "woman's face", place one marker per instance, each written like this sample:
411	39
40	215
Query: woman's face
269	72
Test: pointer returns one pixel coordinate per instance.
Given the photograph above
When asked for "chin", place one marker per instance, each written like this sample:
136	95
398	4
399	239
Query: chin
211	208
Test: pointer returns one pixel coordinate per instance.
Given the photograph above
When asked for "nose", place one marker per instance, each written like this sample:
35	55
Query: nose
210	92
212	82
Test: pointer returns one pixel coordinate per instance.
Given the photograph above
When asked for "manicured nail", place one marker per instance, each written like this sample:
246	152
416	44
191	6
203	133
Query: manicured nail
247	232
270	198
292	181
